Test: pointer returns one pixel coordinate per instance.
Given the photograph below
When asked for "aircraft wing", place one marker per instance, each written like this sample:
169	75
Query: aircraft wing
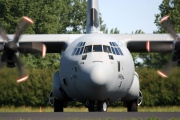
147	42
55	43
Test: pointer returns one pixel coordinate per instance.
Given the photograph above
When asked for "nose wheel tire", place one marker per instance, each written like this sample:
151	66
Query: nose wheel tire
102	107
58	105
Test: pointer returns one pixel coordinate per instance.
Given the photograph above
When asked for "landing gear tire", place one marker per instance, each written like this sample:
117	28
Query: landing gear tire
132	106
102	107
91	107
58	105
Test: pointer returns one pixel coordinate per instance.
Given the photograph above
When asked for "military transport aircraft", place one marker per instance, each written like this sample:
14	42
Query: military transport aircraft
96	69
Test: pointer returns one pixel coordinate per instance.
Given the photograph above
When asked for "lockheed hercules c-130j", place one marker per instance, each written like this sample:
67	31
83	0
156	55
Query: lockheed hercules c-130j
96	69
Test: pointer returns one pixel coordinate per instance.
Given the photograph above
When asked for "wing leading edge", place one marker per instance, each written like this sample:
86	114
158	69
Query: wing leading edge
55	43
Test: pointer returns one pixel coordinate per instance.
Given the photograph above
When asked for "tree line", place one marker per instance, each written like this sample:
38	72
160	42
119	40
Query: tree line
35	91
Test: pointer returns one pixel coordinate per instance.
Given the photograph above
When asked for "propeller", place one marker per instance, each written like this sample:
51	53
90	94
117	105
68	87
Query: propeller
10	48
166	69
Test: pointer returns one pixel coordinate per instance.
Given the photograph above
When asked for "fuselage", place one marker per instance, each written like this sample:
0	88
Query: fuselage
96	67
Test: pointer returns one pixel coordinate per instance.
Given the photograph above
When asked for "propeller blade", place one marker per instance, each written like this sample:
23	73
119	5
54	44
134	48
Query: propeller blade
167	69
33	47
3	34
23	24
168	26
22	71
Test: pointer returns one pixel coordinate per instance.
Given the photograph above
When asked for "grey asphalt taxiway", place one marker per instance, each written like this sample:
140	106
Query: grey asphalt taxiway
89	116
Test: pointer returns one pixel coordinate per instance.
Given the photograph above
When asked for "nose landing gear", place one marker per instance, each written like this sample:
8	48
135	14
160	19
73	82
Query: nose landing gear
100	106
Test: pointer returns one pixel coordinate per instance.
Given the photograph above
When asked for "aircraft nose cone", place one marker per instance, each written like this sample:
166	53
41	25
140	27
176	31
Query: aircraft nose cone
95	83
100	74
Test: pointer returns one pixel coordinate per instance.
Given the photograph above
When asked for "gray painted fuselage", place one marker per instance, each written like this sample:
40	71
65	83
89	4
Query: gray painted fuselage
98	77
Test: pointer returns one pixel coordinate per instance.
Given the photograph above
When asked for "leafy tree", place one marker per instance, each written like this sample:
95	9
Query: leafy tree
114	31
157	60
153	60
174	14
139	32
33	92
103	26
49	16
36	61
77	16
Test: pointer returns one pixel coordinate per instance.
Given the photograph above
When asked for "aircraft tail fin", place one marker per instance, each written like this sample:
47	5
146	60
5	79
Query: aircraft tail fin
92	20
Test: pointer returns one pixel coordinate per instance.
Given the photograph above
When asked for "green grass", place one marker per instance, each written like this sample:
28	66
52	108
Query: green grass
83	109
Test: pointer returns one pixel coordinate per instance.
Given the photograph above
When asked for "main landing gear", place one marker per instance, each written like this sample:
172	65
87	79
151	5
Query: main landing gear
132	106
100	106
58	105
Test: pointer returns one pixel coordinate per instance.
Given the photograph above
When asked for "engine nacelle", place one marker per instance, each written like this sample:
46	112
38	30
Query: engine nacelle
10	63
133	92
57	90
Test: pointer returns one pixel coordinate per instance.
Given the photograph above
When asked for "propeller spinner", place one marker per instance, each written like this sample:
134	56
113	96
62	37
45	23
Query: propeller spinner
11	47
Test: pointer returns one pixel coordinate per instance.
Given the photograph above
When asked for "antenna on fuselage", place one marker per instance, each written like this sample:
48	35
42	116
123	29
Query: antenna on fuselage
92	20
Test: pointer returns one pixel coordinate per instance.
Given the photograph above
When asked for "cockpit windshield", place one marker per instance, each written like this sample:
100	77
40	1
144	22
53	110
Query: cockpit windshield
97	48
81	48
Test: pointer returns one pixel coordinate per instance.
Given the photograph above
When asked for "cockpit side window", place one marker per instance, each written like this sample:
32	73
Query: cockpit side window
88	49
97	48
107	49
115	48
78	50
81	51
117	52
